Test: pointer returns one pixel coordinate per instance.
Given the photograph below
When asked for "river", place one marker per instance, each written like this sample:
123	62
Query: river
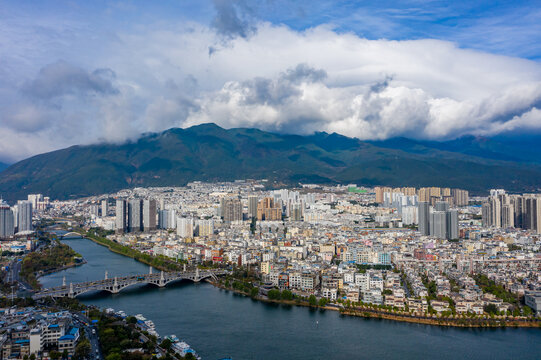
218	323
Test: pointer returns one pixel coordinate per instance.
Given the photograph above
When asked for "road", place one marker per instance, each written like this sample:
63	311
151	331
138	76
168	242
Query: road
23	289
405	285
91	332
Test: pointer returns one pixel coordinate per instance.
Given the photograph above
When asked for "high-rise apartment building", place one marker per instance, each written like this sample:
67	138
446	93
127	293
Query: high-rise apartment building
35	199
15	210
380	190
185	227
135	215
7	228
452	224
533	213
438	224
269	210
149	214
296	212
167	219
424	218
460	197
24	214
104	208
410	215
252	206
94	210
508	216
232	210
121	220
506	211
205	227
442	206
519	210
441	223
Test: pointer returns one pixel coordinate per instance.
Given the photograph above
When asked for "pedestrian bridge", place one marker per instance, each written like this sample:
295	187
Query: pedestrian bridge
116	284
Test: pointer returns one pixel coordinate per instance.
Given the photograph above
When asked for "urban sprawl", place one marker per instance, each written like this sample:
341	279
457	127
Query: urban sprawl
423	251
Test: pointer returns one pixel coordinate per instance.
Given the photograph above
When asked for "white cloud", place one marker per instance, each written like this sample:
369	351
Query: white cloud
277	79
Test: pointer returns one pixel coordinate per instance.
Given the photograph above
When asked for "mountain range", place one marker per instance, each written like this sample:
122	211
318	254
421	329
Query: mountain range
208	152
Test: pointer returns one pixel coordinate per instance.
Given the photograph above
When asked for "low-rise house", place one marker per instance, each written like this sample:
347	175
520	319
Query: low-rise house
68	341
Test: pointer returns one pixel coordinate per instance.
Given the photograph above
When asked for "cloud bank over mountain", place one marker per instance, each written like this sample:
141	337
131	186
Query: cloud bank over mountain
240	71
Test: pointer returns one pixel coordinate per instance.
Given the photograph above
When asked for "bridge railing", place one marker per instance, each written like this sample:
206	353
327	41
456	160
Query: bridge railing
133	279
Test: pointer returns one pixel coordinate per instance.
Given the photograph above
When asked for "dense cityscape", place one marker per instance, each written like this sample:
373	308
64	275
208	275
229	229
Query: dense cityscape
429	253
261	180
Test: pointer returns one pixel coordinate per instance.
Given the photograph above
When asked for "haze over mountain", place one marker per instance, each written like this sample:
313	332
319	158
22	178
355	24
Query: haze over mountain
210	153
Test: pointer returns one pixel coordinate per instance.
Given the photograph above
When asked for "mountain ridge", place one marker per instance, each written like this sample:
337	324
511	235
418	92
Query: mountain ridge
208	152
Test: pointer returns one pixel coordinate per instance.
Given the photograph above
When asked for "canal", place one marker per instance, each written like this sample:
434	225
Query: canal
217	323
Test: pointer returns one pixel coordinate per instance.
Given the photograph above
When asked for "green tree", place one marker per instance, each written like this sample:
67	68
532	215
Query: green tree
273	294
323	301
491	309
287	295
82	350
253	225
312	300
54	355
166	344
113	356
254	292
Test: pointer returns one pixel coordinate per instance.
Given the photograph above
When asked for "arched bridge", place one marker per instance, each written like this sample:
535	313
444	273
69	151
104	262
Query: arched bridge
116	284
71	235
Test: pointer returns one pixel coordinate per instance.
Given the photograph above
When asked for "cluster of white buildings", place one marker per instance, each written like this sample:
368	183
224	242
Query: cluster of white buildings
333	242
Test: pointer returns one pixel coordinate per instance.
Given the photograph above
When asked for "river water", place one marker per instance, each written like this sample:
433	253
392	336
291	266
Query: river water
218	323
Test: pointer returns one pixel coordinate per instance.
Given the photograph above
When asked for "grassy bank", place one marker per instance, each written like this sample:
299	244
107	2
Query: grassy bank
444	321
53	258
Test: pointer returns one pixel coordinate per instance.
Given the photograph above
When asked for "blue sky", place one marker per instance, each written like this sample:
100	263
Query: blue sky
82	72
503	27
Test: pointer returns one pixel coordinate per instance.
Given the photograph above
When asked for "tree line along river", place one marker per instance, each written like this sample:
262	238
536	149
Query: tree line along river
218	323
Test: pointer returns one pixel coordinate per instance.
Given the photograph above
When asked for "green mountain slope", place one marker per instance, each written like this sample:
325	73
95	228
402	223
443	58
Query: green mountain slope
210	153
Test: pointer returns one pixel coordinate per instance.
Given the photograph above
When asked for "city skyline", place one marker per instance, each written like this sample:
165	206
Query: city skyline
432	256
270	179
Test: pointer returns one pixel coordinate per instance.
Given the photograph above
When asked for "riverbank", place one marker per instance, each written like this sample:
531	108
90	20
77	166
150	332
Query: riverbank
155	262
54	258
52	271
218	323
368	312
